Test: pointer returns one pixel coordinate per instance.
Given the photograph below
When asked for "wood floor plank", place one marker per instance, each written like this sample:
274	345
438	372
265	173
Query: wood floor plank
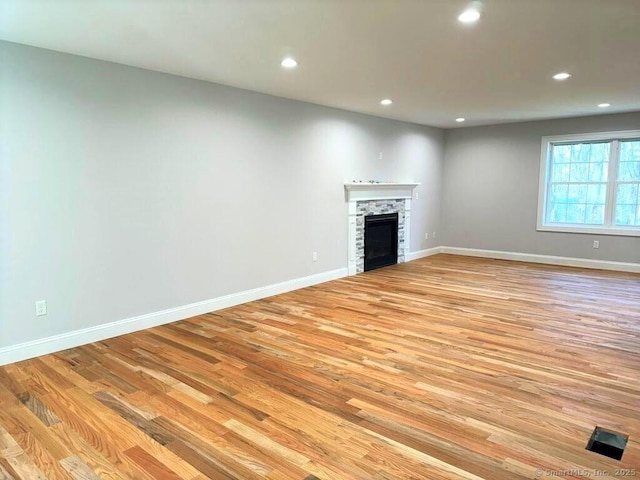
446	367
88	454
20	422
16	460
151	465
4	473
40	410
78	469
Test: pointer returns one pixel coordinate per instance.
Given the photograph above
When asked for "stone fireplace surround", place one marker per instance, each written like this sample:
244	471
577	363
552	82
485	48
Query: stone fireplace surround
375	199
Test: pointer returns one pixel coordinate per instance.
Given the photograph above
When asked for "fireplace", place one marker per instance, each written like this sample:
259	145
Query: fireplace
380	241
372	199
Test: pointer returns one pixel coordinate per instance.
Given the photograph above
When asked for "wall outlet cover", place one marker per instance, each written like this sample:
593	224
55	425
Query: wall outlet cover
41	308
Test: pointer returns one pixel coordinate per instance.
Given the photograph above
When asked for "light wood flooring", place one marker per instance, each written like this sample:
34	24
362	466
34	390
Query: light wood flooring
447	367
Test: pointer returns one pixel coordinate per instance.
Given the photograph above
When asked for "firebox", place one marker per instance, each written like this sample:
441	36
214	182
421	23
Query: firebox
380	241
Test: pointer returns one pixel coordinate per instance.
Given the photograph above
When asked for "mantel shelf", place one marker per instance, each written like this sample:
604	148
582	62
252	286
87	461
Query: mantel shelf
369	185
378	191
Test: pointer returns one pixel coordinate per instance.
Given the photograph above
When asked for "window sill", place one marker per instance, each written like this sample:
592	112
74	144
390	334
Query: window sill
621	232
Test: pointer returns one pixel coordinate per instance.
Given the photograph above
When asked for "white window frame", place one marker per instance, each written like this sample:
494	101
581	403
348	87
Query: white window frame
608	228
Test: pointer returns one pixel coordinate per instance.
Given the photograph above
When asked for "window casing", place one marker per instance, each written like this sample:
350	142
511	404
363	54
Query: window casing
590	183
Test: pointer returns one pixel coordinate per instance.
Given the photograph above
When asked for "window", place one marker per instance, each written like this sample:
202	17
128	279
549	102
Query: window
590	183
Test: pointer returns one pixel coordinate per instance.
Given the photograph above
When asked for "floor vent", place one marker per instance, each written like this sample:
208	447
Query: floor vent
607	443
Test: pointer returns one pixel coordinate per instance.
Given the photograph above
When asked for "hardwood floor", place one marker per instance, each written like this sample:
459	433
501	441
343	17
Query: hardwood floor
443	368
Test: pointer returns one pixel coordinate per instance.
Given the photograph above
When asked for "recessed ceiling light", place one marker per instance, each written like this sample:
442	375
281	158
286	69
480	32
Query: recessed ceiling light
289	63
561	76
460	120
470	15
604	105
386	101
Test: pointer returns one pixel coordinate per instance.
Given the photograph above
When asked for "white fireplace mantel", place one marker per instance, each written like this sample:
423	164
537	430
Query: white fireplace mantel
378	191
366	191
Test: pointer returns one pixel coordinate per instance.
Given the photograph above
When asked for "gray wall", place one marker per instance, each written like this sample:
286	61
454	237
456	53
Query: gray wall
490	190
125	191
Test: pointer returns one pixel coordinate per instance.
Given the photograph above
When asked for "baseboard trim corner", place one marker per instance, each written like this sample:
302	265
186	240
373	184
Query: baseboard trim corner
546	259
56	343
422	253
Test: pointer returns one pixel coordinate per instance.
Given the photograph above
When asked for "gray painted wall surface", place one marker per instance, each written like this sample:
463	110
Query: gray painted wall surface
490	190
125	191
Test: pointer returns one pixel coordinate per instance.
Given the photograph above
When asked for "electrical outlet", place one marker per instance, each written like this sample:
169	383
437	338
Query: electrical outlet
41	308
314	256
380	157
426	236
417	195
434	235
596	244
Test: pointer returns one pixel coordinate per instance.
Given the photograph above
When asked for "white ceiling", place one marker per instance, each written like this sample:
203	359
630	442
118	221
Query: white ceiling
353	53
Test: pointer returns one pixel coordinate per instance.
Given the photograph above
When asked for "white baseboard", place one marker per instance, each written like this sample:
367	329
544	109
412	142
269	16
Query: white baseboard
547	259
35	348
422	253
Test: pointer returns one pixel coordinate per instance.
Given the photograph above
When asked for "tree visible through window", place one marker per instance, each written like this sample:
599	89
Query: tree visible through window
628	185
591	183
578	187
